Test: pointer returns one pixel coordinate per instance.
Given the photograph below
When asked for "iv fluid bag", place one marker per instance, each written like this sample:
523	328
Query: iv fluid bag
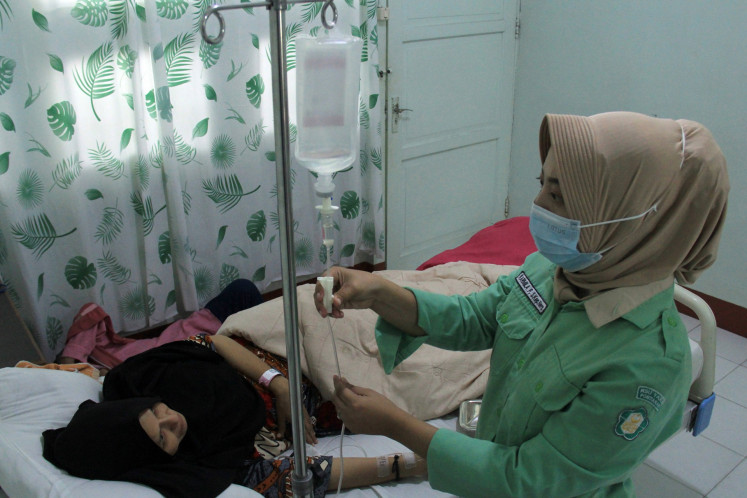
327	89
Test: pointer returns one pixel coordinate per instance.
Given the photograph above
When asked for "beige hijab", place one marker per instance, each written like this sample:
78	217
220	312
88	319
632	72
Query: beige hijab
620	164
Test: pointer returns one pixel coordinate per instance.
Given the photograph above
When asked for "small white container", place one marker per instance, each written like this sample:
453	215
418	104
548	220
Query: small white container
327	102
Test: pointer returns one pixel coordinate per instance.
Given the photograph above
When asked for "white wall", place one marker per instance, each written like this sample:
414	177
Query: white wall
670	58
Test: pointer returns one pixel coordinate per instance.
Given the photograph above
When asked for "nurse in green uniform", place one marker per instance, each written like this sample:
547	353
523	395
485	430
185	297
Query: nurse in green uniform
590	366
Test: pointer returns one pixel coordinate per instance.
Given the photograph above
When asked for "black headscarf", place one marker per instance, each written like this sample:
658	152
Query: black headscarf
102	440
223	414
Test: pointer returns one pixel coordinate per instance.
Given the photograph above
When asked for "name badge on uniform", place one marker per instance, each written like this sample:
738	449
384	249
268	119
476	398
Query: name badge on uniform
534	297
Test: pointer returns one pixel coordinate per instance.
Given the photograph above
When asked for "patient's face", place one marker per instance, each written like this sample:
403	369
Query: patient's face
550	196
166	427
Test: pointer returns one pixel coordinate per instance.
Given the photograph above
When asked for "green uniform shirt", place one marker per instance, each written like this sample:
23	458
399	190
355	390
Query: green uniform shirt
569	409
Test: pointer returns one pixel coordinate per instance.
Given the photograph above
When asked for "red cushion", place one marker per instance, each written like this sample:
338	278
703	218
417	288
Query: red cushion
507	242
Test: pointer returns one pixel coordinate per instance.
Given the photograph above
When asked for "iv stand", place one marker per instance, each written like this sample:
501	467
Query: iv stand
301	477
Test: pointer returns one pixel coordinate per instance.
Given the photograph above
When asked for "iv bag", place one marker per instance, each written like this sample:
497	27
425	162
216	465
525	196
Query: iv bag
327	88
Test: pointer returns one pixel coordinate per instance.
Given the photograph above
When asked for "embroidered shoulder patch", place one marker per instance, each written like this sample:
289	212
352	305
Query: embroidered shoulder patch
651	396
631	422
534	297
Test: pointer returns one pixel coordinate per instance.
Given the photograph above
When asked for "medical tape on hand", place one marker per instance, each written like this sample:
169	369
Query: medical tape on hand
382	466
409	460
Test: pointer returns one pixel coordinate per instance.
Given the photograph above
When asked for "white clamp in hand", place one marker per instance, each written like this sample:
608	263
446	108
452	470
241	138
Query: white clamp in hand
327	284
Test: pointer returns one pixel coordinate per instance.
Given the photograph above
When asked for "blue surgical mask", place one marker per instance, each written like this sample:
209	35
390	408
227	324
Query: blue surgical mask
556	238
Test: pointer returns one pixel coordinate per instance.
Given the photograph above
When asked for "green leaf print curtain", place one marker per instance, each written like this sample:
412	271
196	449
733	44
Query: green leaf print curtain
137	162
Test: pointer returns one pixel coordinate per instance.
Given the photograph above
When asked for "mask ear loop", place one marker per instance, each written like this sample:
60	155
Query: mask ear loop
653	208
684	141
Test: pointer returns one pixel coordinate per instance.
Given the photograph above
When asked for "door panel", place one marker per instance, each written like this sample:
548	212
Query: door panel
474	178
452	65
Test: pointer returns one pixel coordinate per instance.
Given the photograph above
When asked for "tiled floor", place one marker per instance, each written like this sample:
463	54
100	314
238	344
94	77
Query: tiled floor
713	464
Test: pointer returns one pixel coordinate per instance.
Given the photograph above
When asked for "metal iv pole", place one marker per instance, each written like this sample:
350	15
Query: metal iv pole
301	477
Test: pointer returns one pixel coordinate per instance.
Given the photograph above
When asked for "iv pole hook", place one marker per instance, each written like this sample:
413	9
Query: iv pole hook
215	10
325	23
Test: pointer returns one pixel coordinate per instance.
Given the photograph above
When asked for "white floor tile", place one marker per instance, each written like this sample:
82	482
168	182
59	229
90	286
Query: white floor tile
734	386
697	462
734	486
689	322
723	368
731	346
650	483
728	426
694	333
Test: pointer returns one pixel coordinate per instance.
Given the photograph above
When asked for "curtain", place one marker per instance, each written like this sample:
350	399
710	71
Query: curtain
137	162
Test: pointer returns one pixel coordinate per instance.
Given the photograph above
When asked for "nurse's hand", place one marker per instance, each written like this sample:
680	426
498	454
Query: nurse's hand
364	411
353	289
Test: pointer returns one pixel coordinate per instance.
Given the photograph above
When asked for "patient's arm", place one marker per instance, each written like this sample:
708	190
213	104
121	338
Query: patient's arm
252	367
361	290
360	472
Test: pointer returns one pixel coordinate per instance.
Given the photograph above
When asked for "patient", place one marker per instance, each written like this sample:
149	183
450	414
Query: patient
182	419
590	366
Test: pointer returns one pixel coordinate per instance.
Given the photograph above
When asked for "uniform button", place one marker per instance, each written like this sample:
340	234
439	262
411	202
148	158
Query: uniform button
672	322
504	318
538	387
520	363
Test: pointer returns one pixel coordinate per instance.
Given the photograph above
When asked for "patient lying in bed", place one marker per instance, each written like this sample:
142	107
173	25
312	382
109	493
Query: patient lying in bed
33	400
178	418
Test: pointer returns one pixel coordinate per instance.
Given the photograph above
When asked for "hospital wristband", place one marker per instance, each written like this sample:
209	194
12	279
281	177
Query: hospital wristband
268	376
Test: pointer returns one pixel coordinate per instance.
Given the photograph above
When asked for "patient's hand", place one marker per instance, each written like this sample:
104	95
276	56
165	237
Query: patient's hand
281	390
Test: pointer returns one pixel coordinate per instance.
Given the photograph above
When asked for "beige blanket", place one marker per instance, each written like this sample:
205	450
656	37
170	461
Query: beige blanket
430	383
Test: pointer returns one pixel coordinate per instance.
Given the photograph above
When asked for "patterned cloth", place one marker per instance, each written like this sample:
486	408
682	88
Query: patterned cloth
273	478
324	412
266	472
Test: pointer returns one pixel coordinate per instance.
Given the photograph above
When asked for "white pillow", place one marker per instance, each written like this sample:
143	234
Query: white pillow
33	400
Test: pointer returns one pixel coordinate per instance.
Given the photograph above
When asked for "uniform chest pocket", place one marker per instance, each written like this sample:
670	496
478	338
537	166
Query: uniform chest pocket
551	390
514	319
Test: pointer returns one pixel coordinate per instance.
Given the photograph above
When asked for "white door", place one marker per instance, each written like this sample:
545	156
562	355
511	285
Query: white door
452	69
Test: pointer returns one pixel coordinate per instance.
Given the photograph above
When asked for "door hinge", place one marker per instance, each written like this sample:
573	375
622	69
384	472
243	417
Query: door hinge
505	208
382	13
517	28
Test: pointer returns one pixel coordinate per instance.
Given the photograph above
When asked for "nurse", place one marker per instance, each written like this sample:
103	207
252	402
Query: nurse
590	366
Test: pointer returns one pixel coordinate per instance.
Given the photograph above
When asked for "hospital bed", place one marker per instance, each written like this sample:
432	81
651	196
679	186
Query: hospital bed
33	400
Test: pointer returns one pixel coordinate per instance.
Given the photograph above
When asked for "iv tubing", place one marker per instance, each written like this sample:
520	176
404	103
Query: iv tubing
327	284
342	432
